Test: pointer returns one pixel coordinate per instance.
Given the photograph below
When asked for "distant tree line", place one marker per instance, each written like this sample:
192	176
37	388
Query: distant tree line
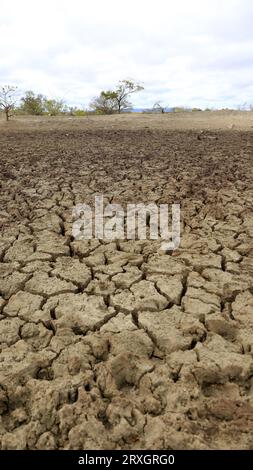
30	103
108	102
37	105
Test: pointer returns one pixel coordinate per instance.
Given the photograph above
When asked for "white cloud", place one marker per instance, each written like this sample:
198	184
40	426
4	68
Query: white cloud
189	52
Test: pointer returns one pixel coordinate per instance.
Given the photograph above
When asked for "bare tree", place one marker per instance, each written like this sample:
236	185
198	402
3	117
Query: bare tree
7	100
159	108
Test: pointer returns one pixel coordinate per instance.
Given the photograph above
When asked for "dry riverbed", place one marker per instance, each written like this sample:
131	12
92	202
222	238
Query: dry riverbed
117	345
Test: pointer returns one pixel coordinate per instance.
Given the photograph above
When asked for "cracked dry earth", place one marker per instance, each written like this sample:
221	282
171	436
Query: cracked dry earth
117	345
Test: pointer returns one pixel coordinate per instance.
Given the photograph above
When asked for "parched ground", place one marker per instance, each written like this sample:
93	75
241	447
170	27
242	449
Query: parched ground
117	345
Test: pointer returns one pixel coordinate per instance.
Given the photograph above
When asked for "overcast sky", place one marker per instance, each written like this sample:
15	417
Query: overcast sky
186	52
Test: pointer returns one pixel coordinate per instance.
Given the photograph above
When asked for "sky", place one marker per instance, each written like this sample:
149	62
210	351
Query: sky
196	53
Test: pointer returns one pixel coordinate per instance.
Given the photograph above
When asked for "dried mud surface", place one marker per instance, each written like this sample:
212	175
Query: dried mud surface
117	345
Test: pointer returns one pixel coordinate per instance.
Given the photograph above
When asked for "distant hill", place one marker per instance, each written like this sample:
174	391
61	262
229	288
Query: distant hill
149	110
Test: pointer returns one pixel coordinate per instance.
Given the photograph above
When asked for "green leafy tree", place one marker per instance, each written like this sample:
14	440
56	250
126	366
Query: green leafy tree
124	89
54	107
105	103
8	100
33	104
115	101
